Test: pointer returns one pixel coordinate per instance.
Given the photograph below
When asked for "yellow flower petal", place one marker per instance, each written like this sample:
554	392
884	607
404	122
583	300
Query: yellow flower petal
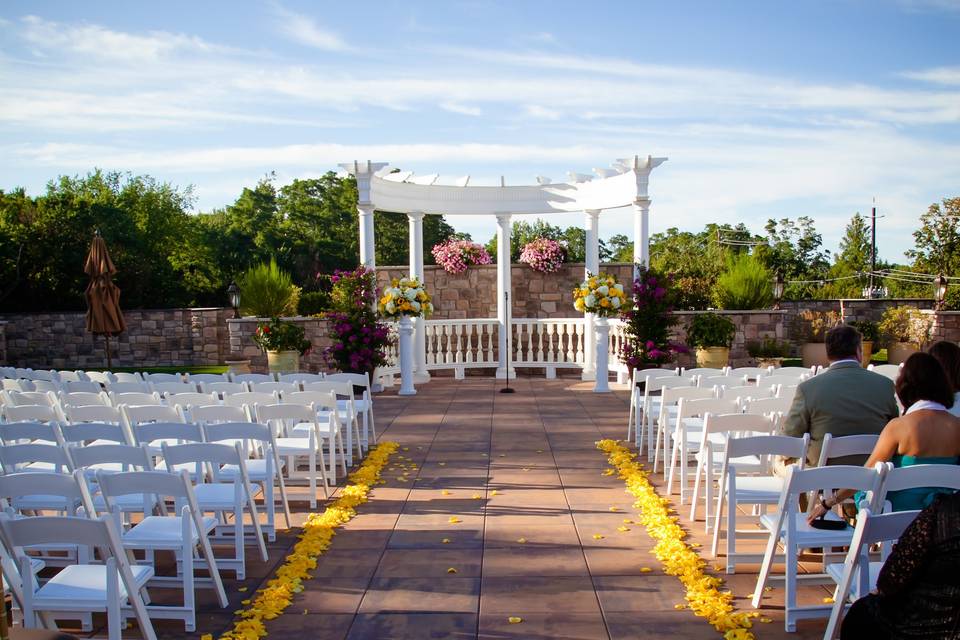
514	620
451	570
445	541
597	536
614	509
477	496
645	569
828	600
623	529
454	520
494	493
445	492
522	540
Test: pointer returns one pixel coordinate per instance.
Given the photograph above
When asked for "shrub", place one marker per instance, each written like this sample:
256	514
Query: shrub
746	284
869	330
648	322
768	348
812	326
266	291
906	324
710	330
313	303
278	335
359	340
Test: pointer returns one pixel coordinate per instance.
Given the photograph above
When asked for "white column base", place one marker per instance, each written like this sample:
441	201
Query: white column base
502	374
602	380
588	375
421	377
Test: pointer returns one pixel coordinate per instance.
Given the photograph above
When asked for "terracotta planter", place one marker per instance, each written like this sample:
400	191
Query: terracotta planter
713	357
814	353
283	361
867	353
898	352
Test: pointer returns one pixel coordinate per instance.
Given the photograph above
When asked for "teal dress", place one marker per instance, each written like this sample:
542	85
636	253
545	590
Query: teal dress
920	497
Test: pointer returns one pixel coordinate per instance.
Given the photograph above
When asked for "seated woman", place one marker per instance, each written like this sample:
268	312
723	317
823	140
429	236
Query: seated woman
948	353
918	591
925	434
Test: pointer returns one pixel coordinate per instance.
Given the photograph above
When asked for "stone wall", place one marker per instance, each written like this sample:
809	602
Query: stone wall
751	326
174	337
473	293
241	343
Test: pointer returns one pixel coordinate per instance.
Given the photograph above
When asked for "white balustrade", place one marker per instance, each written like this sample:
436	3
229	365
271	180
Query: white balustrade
549	343
461	344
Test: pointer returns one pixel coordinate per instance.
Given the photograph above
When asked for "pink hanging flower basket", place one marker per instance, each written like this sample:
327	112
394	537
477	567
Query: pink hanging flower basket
456	255
543	255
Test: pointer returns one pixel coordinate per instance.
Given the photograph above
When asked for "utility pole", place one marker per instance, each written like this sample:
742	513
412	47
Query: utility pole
873	245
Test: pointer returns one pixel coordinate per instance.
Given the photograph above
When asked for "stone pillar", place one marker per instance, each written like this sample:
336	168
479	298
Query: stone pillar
641	233
591	266
504	302
415	221
364	172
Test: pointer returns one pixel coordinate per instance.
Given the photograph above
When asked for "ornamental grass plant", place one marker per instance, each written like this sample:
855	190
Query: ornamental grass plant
746	284
267	291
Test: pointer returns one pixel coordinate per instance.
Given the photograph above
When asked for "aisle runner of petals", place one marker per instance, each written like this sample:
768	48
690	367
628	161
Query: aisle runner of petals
679	559
318	531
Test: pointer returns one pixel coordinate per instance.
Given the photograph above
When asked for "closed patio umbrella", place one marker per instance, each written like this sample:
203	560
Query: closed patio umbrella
103	297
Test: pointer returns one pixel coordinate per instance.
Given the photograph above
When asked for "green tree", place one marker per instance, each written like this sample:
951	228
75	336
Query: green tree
621	248
852	258
937	241
794	249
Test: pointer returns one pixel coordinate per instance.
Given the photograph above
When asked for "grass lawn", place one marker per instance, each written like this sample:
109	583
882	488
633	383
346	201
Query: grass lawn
880	357
204	369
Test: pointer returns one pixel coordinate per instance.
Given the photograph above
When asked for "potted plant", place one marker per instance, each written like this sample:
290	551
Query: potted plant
712	335
358	340
905	330
870	332
768	352
456	255
811	328
648	322
543	255
283	342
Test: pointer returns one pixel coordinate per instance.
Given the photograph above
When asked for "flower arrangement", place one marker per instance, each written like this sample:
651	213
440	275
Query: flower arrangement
648	323
703	595
543	255
456	255
405	297
906	324
600	294
358	339
812	326
271	600
278	335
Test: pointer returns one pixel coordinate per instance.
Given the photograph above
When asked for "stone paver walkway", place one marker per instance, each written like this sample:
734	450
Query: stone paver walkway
536	535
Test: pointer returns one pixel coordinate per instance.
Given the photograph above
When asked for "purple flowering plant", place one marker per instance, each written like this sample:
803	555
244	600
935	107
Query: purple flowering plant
543	255
456	255
358	339
648	322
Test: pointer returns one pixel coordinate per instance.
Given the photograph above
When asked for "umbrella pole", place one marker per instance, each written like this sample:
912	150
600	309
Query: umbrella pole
106	339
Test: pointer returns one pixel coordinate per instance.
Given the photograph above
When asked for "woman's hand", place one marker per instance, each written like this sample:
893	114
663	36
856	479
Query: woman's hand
817	511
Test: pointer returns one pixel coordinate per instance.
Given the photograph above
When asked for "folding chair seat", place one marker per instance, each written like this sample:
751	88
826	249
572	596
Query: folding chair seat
222	495
114	587
362	405
183	533
307	443
223	388
135	398
252	377
165	377
750	486
333	397
790	527
265	469
669	402
88	386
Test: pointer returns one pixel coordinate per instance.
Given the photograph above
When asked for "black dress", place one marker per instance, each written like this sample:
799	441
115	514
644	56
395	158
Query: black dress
918	589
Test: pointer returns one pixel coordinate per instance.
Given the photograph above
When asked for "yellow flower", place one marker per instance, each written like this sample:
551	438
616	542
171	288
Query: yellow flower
451	570
454	520
514	620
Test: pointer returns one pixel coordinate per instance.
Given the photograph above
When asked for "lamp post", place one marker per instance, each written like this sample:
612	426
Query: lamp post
233	291
940	291
777	291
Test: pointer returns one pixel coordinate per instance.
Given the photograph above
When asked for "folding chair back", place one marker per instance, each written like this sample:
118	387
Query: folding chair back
750	372
102	377
173	388
46	491
27	398
29	458
23	432
127	376
71	376
797	372
93	413
136	414
130	387
746	392
767	406
207	414
777	379
151	432
301	377
84	399
208	377
165	377
88	386
922	478
891	371
252	377
248	399
86	433
704	371
223	388
126	457
834	447
135	398
191	399
31	413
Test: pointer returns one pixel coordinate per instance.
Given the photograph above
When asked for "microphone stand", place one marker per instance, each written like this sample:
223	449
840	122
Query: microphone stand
509	359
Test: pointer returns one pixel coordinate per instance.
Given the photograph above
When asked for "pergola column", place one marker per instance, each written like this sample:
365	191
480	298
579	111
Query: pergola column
415	220
363	172
641	233
591	266
368	256
504	295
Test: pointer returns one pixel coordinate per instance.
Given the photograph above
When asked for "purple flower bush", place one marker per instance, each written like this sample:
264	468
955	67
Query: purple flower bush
359	340
456	255
543	255
649	322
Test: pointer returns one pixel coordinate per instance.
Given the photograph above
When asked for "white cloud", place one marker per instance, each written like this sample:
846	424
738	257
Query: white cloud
536	111
462	109
938	75
305	30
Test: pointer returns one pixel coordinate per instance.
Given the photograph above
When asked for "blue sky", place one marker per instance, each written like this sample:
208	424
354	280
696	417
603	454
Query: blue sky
765	109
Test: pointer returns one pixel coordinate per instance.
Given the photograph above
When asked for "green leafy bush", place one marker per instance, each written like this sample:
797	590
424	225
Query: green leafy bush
710	330
906	324
266	291
869	330
746	284
313	303
768	348
278	335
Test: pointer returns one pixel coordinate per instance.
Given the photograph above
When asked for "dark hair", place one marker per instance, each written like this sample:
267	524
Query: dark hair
842	342
922	378
948	354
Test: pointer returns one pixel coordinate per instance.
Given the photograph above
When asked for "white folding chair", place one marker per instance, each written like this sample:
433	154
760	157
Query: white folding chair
113	587
25	432
47	375
682	437
223	388
248	399
89	386
93	413
31	413
130	387
362	405
264	469
116	458
10	384
42	491
307	443
27	398
649	408
135	398
834	447
104	378
790	527
208	377
738	485
891	371
857	576
637	395
302	376
274	387
343	405
167	389
222	495
252	377
93	434
64	376
669	400
165	377
718	430
127	376
183	533
213	413
915	477
84	399
34	457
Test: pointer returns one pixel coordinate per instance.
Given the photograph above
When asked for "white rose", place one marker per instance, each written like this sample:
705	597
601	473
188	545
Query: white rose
429	307
394	291
590	300
415	305
618	287
615	303
603	290
410	294
390	307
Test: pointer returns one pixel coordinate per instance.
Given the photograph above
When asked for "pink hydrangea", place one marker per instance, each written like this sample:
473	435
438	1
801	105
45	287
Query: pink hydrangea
456	255
543	254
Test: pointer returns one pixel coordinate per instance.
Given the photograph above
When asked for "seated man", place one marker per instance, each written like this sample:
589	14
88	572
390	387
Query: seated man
844	400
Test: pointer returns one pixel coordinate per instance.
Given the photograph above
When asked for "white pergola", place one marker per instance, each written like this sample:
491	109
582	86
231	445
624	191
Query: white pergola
624	185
